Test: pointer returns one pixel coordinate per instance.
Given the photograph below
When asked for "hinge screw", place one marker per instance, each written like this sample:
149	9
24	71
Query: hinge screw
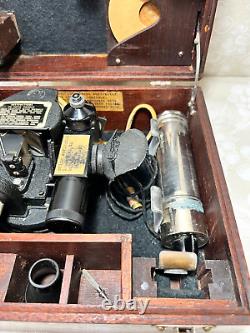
181	54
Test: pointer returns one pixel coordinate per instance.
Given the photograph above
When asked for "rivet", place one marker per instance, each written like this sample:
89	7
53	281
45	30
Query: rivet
207	28
118	61
18	181
180	54
144	285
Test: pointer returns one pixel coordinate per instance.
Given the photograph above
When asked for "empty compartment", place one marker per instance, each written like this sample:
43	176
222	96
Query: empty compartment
104	257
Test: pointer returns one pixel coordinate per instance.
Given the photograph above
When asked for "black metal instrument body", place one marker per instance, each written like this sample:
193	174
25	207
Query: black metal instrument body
31	128
35	194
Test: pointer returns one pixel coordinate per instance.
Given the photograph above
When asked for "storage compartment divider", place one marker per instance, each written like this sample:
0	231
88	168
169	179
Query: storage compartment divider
6	268
108	257
155	66
15	268
67	280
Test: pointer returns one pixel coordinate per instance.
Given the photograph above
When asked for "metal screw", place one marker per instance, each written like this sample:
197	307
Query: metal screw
18	181
180	54
144	285
118	61
16	173
12	166
41	193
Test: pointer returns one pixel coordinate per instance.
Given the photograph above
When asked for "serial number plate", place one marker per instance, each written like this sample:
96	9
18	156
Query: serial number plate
73	156
24	114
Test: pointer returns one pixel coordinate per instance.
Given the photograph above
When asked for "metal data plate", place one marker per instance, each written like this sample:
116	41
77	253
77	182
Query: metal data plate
24	114
73	156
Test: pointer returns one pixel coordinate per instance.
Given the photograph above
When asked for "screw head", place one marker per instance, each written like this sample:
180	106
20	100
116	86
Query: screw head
144	285
18	181
180	54
118	61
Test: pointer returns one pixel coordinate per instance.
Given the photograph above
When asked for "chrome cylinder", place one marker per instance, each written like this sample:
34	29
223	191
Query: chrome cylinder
183	213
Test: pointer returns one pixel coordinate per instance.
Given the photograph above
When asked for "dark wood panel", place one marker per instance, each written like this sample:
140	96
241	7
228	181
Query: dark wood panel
9	34
161	44
228	223
77	68
207	21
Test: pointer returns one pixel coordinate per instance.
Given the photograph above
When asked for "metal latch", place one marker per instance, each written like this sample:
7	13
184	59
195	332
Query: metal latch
197	43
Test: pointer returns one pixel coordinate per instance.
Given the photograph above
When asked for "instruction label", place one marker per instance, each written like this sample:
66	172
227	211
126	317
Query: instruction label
107	101
24	114
73	156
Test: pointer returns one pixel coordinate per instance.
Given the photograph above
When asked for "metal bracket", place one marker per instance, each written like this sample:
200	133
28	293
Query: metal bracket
155	141
197	43
156	206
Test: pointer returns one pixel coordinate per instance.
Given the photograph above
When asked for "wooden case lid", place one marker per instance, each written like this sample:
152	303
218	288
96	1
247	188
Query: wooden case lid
163	51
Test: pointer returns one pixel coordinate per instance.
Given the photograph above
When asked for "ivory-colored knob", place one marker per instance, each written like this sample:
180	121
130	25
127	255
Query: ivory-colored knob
177	260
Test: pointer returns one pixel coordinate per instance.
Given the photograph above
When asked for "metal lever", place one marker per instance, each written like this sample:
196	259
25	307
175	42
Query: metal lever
95	285
197	43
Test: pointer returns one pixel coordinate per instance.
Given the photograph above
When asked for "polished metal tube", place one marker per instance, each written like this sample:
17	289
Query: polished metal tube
183	213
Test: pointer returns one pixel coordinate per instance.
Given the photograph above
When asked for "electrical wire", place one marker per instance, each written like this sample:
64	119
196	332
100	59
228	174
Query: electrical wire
118	187
139	107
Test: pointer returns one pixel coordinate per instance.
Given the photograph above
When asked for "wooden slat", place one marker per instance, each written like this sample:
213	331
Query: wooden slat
126	268
7	261
25	68
67	276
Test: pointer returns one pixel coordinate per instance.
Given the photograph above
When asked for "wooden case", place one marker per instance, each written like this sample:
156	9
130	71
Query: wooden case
165	86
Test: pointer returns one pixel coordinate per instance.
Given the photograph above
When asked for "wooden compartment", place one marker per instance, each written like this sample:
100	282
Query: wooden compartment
224	248
222	275
101	255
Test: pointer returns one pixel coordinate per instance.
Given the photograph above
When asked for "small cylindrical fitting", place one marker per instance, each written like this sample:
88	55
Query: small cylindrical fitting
44	282
76	100
80	115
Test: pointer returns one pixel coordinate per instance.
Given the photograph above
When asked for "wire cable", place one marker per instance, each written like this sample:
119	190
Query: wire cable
139	107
